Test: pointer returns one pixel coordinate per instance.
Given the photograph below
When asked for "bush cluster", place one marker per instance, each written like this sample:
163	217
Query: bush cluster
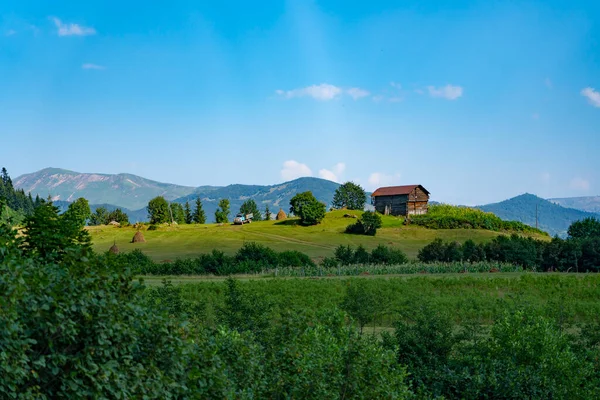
443	216
381	255
250	258
367	224
572	254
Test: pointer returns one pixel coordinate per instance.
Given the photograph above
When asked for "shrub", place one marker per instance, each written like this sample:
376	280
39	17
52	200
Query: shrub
307	208
368	224
258	254
152	227
387	256
294	258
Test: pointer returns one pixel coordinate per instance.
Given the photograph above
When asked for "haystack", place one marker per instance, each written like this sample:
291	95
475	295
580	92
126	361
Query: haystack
281	215
138	238
114	249
114	223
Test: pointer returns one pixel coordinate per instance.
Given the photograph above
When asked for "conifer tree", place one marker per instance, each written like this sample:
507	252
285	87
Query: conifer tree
187	213
199	217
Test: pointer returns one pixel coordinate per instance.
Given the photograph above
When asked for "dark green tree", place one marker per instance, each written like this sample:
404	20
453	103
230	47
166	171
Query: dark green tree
178	213
267	213
78	212
50	235
158	210
119	216
350	195
98	217
188	213
199	217
222	213
250	207
307	208
586	228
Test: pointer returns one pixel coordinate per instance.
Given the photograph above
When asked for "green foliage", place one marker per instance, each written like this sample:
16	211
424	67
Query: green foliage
20	203
99	217
351	196
268	213
255	253
585	229
250	207
368	224
119	216
178	213
73	327
294	259
360	303
187	210
381	255
78	212
50	235
158	211
443	216
222	213
307	208
10	217
199	217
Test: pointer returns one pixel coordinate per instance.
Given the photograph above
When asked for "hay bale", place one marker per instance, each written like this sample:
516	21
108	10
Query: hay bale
138	238
281	215
114	249
114	223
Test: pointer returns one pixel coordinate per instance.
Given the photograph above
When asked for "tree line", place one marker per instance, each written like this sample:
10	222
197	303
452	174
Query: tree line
579	252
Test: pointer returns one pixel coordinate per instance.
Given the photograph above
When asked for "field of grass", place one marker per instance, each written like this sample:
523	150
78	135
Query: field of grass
180	241
476	297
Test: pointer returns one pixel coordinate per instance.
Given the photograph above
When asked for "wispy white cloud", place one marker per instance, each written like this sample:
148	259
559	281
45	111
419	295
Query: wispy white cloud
396	85
592	95
334	174
377	98
324	91
535	116
580	184
292	169
72	29
357	93
395	99
449	92
378	179
92	66
10	32
419	91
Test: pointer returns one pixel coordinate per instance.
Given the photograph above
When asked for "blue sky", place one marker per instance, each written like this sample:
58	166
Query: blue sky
476	100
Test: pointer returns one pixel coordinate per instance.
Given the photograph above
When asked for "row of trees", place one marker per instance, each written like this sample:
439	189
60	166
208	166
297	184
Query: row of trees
14	204
579	252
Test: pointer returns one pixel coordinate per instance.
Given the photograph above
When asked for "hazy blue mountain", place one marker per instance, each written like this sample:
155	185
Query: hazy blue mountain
552	217
275	196
122	190
587	203
131	193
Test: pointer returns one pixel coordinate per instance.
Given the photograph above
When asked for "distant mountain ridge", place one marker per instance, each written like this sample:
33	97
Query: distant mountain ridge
132	193
587	203
123	190
552	218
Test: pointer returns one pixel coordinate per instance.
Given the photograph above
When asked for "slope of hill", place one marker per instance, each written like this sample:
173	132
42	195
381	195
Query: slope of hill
184	241
552	217
275	196
122	190
587	203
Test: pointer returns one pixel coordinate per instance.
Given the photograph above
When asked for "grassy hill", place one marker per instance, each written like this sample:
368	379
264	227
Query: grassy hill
552	218
168	243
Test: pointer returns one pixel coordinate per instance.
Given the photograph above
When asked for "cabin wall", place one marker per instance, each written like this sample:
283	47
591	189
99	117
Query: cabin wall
414	203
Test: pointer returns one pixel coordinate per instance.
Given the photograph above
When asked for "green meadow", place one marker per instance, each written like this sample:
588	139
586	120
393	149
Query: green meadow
182	241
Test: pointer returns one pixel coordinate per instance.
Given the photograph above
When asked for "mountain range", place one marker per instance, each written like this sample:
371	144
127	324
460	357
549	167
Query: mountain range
131	193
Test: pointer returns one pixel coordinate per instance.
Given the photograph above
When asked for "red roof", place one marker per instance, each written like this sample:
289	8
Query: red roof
397	190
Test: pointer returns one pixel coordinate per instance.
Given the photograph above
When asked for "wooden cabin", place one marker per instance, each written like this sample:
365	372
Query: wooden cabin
401	200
